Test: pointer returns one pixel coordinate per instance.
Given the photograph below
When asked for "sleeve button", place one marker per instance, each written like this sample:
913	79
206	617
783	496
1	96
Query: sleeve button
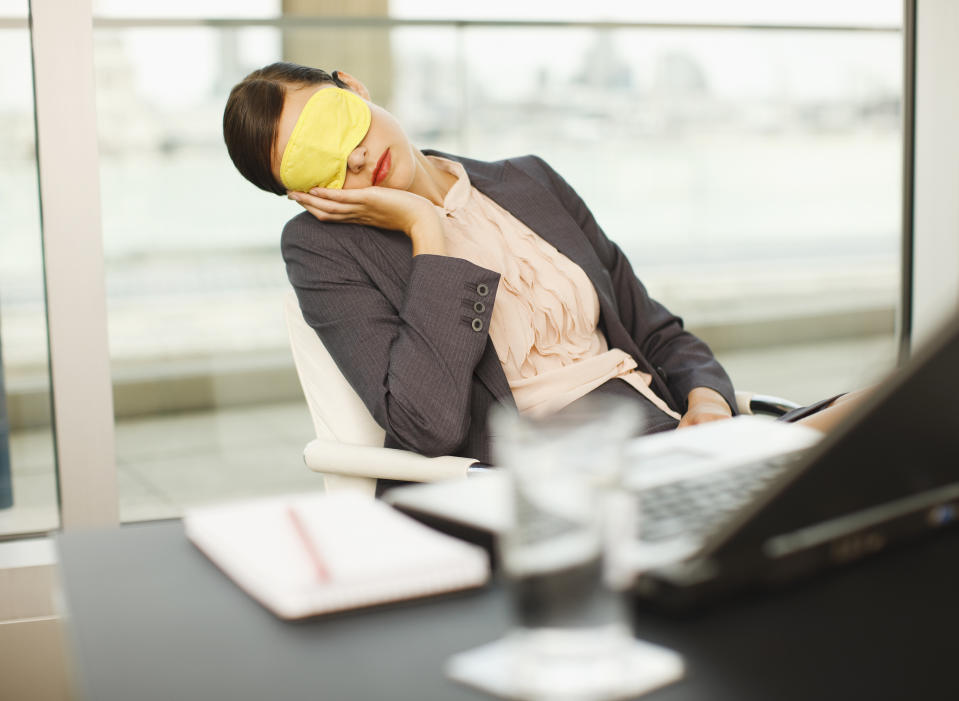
479	307
482	289
477	324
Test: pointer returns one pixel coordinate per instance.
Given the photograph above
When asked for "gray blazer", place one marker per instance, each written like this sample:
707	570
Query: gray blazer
410	334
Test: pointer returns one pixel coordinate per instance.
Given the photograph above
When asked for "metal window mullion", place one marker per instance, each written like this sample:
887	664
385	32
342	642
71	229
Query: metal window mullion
303	21
69	178
907	242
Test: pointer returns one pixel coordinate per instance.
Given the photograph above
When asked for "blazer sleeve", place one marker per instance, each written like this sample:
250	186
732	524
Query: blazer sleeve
684	361
412	366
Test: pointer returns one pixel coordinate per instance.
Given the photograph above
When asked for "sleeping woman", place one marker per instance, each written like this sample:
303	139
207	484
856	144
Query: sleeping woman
443	285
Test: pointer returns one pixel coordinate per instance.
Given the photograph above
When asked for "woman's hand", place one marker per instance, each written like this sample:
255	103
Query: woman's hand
705	405
383	207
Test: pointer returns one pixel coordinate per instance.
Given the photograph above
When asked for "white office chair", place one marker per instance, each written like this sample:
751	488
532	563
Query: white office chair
348	449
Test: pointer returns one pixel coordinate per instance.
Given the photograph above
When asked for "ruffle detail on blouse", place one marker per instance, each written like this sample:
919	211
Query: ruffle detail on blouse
544	324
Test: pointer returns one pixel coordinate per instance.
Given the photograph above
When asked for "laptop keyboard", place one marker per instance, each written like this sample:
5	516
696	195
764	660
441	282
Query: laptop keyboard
693	507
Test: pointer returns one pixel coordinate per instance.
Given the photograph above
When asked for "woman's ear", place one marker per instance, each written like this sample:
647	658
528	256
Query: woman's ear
354	85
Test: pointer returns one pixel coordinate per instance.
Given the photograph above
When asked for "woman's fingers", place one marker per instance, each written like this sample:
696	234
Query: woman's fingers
355	195
322	204
323	215
373	206
324	212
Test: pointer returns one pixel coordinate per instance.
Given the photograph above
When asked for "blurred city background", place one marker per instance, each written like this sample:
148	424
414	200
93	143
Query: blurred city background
752	175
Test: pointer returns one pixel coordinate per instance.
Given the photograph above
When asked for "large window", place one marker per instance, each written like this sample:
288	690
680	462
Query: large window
751	174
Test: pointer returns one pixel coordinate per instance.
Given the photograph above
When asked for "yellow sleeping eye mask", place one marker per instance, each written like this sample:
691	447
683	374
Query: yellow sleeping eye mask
330	126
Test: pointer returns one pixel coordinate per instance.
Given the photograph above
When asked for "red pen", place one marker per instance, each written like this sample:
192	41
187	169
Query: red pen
309	545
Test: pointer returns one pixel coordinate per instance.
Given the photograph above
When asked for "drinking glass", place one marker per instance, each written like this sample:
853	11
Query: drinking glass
572	628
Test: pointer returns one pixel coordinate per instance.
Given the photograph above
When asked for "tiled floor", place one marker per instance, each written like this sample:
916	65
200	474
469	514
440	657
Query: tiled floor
168	463
189	459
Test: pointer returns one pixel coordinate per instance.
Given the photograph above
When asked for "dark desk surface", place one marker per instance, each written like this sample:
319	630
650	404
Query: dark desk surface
152	618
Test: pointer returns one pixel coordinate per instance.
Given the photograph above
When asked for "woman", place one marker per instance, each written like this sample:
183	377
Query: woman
443	285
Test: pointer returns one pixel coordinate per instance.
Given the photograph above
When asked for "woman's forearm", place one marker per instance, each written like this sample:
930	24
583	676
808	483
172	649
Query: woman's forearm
408	347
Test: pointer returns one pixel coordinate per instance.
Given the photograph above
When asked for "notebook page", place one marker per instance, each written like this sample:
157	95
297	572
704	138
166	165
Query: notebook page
369	553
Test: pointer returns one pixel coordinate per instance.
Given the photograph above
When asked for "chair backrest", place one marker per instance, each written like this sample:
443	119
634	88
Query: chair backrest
337	411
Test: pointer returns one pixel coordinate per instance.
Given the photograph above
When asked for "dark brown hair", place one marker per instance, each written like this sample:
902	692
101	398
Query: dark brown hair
252	113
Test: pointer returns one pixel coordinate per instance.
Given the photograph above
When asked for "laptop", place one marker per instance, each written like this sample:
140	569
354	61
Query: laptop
752	502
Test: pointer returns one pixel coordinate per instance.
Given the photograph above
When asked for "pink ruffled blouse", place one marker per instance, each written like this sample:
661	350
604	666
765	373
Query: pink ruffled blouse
544	325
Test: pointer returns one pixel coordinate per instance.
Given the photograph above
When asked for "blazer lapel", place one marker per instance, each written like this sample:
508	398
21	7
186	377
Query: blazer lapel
540	210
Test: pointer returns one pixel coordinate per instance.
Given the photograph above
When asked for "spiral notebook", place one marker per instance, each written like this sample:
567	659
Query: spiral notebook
304	555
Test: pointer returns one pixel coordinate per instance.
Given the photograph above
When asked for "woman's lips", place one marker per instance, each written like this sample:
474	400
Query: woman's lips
382	168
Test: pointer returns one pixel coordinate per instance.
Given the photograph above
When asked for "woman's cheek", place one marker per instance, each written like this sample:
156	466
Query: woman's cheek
354	181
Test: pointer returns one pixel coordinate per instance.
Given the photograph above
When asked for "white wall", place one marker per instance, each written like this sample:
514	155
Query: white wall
936	213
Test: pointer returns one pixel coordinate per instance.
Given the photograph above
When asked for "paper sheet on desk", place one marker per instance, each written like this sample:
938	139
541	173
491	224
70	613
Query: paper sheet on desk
305	555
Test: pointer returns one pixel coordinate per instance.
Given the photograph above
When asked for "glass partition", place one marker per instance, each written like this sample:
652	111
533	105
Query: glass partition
28	487
752	177
207	403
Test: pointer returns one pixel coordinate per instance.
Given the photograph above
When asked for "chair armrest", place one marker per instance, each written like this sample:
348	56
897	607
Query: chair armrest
332	457
752	403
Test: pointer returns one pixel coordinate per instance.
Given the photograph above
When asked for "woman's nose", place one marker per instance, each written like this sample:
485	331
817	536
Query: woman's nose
356	159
